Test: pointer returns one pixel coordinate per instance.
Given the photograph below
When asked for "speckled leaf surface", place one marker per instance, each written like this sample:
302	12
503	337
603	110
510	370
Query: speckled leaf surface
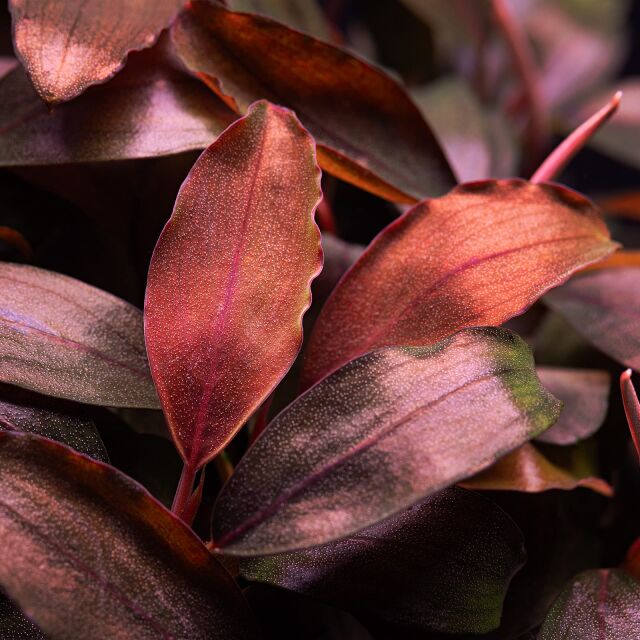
152	108
64	338
604	306
381	433
87	553
14	625
585	397
413	569
596	605
230	278
68	45
368	130
22	410
477	256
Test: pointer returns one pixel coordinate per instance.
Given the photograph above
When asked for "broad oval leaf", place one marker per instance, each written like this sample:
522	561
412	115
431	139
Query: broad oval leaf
152	108
368	130
230	278
64	338
68	45
604	306
22	410
381	433
585	397
595	605
477	256
442	565
88	553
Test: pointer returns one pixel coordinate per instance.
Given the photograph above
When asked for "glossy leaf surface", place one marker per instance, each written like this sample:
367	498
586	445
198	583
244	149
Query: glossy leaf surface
68	45
383	432
585	397
230	278
413	569
477	256
594	606
604	306
368	130
64	338
88	553
152	108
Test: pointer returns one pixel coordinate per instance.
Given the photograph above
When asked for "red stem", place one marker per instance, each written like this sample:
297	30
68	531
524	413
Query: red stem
631	408
562	154
183	492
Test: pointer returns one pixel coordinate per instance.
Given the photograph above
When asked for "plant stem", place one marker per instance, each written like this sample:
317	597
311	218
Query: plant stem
525	65
184	490
560	156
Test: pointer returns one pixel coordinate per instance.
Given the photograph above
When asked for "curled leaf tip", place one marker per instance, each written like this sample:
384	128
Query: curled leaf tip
567	149
631	407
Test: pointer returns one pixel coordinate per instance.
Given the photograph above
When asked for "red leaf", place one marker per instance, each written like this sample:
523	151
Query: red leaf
68	45
368	130
477	256
631	408
230	276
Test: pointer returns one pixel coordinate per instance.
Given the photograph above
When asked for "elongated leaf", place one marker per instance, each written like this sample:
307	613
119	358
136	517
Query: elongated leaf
64	338
616	260
477	256
230	278
152	108
413	569
367	129
596	605
68	45
87	553
604	306
585	397
378	435
22	410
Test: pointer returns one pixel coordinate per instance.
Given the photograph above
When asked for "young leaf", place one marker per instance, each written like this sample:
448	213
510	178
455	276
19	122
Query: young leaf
368	130
229	279
604	306
22	410
68	45
595	605
381	433
152	108
585	397
477	256
64	338
88	553
413	569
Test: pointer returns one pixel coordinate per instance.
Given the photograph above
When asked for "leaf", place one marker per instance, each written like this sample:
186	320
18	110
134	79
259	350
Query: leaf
477	256
64	338
88	553
152	108
22	410
527	470
631	408
13	625
595	605
380	434
230	279
413	569
368	130
585	396
68	45
616	261
604	306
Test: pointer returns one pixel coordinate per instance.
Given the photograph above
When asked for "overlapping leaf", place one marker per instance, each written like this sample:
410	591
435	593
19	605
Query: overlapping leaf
64	338
412	569
386	430
88	553
367	129
230	276
477	256
152	108
604	306
68	45
595	605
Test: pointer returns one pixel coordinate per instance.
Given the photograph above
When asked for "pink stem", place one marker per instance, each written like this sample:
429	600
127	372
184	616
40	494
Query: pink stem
631	408
183	492
562	154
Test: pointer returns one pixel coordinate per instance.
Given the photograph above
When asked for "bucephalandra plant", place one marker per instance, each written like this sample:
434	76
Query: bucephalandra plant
304	337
